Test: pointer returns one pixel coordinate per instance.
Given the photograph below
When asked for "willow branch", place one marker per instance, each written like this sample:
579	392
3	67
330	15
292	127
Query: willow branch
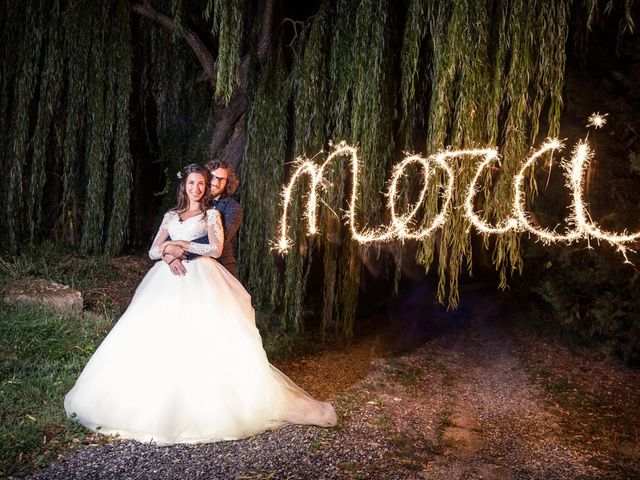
146	9
264	43
232	115
295	24
265	33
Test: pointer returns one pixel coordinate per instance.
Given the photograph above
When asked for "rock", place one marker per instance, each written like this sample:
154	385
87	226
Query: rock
39	292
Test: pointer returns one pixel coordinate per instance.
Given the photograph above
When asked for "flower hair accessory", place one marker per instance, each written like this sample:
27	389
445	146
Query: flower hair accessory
179	175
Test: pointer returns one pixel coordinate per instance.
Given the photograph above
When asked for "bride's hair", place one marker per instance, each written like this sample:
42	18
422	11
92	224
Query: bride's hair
183	199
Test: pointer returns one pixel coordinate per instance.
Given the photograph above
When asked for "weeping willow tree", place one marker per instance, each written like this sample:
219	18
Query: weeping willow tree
470	74
309	81
56	101
267	138
96	95
102	102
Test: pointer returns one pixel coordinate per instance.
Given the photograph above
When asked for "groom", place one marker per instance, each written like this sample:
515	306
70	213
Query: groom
224	183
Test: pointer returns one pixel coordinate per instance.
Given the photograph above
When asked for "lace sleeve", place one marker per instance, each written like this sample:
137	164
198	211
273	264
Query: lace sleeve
216	237
163	233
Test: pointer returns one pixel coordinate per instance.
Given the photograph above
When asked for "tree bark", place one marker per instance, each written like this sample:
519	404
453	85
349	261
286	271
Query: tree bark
226	120
205	58
233	114
229	133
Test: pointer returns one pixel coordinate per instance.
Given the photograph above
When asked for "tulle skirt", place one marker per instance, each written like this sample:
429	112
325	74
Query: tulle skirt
185	364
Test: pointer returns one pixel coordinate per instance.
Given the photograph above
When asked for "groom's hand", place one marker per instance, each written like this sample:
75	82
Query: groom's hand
175	251
177	268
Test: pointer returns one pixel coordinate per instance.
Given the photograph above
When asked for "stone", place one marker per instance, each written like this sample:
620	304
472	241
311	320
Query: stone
38	292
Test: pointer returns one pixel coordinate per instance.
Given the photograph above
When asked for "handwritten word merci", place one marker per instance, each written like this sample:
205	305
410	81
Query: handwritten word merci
402	225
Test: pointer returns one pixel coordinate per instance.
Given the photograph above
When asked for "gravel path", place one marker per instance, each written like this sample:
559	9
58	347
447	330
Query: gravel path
494	421
466	404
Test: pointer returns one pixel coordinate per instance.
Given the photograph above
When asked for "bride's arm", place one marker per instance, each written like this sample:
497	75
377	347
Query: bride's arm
215	233
155	252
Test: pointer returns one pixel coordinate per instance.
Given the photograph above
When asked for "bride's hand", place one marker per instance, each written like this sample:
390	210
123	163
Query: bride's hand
168	258
177	268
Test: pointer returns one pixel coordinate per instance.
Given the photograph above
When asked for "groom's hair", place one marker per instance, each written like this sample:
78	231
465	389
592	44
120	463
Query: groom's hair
232	177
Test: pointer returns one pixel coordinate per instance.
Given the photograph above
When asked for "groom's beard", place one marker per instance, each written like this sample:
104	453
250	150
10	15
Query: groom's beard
216	193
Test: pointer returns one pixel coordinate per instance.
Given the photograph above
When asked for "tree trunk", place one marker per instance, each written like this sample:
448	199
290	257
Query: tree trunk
229	134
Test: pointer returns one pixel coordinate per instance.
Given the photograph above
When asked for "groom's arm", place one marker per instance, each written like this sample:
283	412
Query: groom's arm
173	252
232	217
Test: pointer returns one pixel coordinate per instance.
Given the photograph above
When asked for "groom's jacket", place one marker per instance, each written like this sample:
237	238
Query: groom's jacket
231	214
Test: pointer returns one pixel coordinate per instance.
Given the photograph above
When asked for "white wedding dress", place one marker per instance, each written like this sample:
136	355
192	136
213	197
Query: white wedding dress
185	362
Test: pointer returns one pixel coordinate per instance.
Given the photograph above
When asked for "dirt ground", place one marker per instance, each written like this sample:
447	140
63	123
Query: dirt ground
469	394
426	393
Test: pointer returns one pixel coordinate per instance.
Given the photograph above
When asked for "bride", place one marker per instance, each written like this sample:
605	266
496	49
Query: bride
185	362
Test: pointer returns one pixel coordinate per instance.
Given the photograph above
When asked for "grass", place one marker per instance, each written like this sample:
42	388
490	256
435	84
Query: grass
445	419
404	373
58	262
349	466
413	452
559	387
319	444
62	264
383	421
447	380
258	475
41	355
282	345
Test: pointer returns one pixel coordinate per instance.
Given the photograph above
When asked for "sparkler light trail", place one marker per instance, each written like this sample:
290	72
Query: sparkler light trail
519	203
574	171
490	155
403	226
597	120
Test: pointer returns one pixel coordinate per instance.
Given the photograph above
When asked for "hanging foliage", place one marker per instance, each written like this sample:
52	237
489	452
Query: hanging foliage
412	57
74	136
77	40
413	86
9	68
122	162
373	103
262	175
4	100
177	9
372	117
228	23
533	77
339	281
310	86
458	106
101	122
50	93
168	68
183	107
494	69
25	91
